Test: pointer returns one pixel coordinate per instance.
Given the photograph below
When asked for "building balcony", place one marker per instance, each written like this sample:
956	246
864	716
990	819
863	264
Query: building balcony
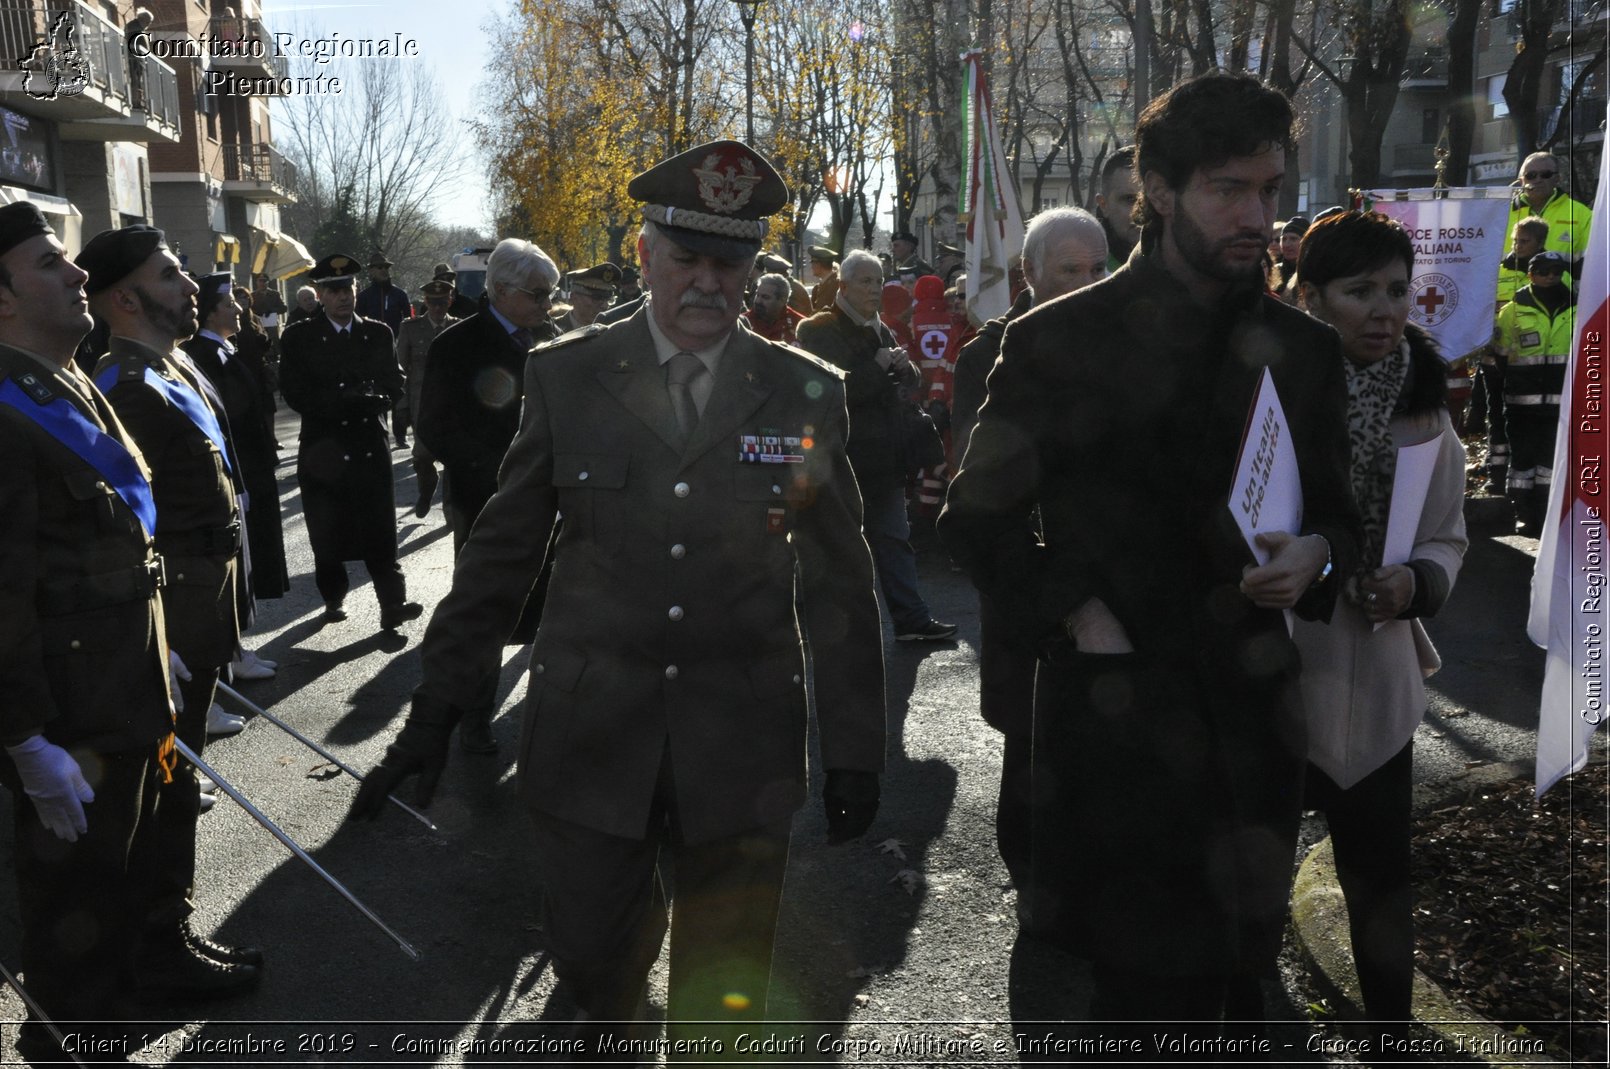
1427	69
250	47
71	65
259	173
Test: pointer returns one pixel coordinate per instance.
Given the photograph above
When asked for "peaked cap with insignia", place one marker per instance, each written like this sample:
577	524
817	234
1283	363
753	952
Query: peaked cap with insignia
336	269
112	255
437	287
824	255
601	279
712	199
770	261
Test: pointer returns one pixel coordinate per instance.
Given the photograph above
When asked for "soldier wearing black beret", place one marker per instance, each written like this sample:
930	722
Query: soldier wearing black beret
84	708
137	288
340	372
697	466
904	261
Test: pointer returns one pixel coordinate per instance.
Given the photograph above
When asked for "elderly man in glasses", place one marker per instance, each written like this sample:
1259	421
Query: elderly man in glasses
1538	195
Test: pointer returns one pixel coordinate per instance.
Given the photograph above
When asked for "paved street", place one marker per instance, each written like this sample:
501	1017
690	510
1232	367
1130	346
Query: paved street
892	959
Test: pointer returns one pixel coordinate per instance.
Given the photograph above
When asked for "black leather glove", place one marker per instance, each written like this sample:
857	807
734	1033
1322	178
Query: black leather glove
851	801
421	747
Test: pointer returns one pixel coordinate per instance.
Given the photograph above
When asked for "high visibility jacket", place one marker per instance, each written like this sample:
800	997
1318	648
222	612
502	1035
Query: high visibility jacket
1534	342
1568	221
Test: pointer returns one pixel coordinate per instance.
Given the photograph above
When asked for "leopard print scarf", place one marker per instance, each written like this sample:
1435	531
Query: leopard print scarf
1373	394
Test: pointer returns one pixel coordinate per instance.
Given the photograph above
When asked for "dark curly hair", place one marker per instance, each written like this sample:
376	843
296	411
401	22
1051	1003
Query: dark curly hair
1203	122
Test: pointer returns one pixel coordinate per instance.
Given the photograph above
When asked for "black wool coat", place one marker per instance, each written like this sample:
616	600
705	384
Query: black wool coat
1172	774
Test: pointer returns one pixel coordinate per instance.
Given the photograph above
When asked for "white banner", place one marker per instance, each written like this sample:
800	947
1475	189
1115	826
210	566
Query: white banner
1569	585
1458	242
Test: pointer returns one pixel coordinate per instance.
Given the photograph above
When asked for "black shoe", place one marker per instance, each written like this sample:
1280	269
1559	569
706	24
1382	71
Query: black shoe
475	735
333	612
422	507
228	955
402	443
174	970
393	615
928	631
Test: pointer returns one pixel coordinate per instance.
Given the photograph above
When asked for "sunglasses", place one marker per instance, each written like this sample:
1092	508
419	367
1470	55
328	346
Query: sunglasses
1531	175
1548	271
537	295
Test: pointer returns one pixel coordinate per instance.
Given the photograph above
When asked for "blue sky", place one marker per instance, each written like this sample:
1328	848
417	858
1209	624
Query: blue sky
451	43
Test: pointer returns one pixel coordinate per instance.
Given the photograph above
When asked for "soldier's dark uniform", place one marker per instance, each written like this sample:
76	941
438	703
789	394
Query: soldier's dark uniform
82	662
344	384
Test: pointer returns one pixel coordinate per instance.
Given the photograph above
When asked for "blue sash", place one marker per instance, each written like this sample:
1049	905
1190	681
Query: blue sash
180	395
62	420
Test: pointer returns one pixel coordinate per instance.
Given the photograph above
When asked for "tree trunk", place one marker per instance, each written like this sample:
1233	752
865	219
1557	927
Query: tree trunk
1462	27
1145	30
1524	84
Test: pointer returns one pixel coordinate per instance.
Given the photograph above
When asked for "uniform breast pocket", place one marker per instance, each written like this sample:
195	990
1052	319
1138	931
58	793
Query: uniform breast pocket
100	498
592	489
762	516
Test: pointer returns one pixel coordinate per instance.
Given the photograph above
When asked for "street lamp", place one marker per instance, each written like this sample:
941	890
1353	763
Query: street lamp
746	12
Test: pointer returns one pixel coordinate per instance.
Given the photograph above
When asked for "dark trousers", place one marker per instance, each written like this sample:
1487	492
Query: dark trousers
1014	811
605	915
1532	430
1369	829
80	902
170	891
330	577
1156	1018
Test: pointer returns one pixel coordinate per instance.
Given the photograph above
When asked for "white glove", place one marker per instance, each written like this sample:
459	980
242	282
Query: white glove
180	674
54	781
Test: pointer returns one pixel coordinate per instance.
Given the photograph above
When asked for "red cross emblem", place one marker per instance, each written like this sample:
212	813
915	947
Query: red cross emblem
934	343
1431	300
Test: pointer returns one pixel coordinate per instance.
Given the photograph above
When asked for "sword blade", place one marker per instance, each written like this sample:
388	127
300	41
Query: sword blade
292	845
41	1015
257	710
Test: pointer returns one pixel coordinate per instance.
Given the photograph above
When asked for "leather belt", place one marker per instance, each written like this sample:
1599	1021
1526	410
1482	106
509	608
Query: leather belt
203	542
89	592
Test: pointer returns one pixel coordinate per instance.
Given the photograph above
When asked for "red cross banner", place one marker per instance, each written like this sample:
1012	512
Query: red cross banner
1569	595
1458	241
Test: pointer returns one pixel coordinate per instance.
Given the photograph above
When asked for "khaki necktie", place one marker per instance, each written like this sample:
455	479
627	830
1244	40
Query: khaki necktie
681	371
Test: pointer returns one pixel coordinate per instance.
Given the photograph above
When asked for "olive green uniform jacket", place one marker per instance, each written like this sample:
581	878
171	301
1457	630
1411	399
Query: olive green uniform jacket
670	622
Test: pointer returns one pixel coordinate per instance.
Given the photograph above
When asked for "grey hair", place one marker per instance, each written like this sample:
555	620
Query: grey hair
1055	222
774	279
520	264
306	289
855	257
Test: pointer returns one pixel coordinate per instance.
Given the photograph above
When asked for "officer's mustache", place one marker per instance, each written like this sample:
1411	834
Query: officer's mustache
695	299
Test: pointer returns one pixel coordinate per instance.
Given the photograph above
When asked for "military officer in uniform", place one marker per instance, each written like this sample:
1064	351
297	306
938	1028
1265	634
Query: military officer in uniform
84	712
413	344
340	372
137	288
904	260
697	467
824	267
591	292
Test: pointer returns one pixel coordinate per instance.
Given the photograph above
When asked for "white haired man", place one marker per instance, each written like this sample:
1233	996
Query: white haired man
469	406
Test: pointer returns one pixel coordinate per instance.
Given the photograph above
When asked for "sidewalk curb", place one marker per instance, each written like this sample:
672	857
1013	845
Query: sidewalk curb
1319	915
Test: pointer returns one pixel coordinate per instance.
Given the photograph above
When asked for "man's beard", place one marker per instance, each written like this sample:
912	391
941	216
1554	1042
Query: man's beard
1207	257
178	322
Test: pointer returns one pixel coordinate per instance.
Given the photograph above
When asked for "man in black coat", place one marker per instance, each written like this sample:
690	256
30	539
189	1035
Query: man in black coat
1169	744
469	406
340	372
1064	249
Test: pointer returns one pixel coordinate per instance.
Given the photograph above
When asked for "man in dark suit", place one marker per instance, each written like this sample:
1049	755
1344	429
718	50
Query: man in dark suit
137	288
469	408
85	717
1169	745
340	372
697	467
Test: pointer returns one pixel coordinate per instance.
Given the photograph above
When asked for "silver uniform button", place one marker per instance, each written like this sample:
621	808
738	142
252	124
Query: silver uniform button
75	644
670	672
776	489
539	669
582	477
675	613
681	489
798	680
346	456
679	551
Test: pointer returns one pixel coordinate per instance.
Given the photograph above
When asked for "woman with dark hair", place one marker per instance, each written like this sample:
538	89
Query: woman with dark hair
241	388
1363	673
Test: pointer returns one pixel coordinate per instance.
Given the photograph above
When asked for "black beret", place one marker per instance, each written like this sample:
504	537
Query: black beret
19	222
712	199
112	255
334	270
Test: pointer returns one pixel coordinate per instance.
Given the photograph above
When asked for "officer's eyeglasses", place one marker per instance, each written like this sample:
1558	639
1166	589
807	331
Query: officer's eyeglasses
542	296
1534	175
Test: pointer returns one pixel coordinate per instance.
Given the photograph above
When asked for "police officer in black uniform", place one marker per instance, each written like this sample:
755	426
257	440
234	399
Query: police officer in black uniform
138	289
340	372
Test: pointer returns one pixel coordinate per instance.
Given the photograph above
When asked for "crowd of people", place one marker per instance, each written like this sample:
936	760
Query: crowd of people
692	479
